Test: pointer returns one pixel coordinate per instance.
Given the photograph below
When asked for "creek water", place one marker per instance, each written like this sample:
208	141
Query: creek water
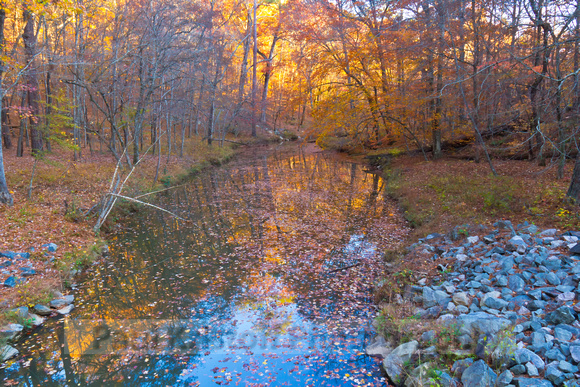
266	280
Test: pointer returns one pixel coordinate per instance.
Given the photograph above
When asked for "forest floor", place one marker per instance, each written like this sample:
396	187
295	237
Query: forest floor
53	211
438	195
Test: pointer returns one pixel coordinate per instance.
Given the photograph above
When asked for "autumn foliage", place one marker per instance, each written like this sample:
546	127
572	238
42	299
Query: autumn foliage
130	76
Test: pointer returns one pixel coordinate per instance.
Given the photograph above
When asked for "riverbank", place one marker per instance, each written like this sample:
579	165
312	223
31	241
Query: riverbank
52	202
501	309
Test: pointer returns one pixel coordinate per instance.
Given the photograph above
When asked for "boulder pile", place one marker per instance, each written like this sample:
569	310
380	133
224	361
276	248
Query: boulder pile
508	297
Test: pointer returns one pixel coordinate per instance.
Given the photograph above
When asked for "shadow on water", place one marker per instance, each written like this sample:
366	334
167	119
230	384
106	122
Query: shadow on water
267	282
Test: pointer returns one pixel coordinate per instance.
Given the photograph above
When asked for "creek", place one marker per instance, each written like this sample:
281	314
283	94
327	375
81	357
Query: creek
266	280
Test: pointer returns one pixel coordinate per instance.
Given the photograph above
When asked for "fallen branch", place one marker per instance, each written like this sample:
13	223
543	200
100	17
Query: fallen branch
148	204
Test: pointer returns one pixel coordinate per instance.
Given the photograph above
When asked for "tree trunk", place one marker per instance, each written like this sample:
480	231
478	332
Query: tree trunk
576	105
254	68
267	76
5	196
541	57
29	39
574	189
244	64
7	140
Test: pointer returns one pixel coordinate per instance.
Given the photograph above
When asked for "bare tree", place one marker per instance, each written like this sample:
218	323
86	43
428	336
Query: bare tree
5	196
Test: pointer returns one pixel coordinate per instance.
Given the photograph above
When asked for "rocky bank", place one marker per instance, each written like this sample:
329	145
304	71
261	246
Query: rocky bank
18	267
504	303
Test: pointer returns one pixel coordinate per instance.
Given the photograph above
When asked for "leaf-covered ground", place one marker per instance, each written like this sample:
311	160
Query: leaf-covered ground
437	196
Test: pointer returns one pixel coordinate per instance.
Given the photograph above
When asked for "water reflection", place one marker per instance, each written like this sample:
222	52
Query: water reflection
268	282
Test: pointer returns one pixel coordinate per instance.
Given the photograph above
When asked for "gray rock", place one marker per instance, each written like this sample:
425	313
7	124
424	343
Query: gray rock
473	324
428	297
459	366
532	369
418	376
564	366
553	263
518	369
501	280
27	271
461	298
11	331
504	225
58	303
449	288
524	355
10	282
35	320
462	309
393	366
492	294
496	303
443	379
575	353
7	352
429	353
507	264
528	382
473	239
565	288
552	279
516	283
569	328
554	375
566	296
516	243
531	229
562	315
538	339
406	350
549	232
21	312
51	247
428	336
478	374
474	284
555	354
535	294
557	244
41	310
66	310
380	347
489	239
536	305
504	379
562	334
502	348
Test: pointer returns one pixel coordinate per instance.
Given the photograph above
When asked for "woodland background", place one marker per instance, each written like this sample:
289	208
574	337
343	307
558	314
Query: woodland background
137	77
